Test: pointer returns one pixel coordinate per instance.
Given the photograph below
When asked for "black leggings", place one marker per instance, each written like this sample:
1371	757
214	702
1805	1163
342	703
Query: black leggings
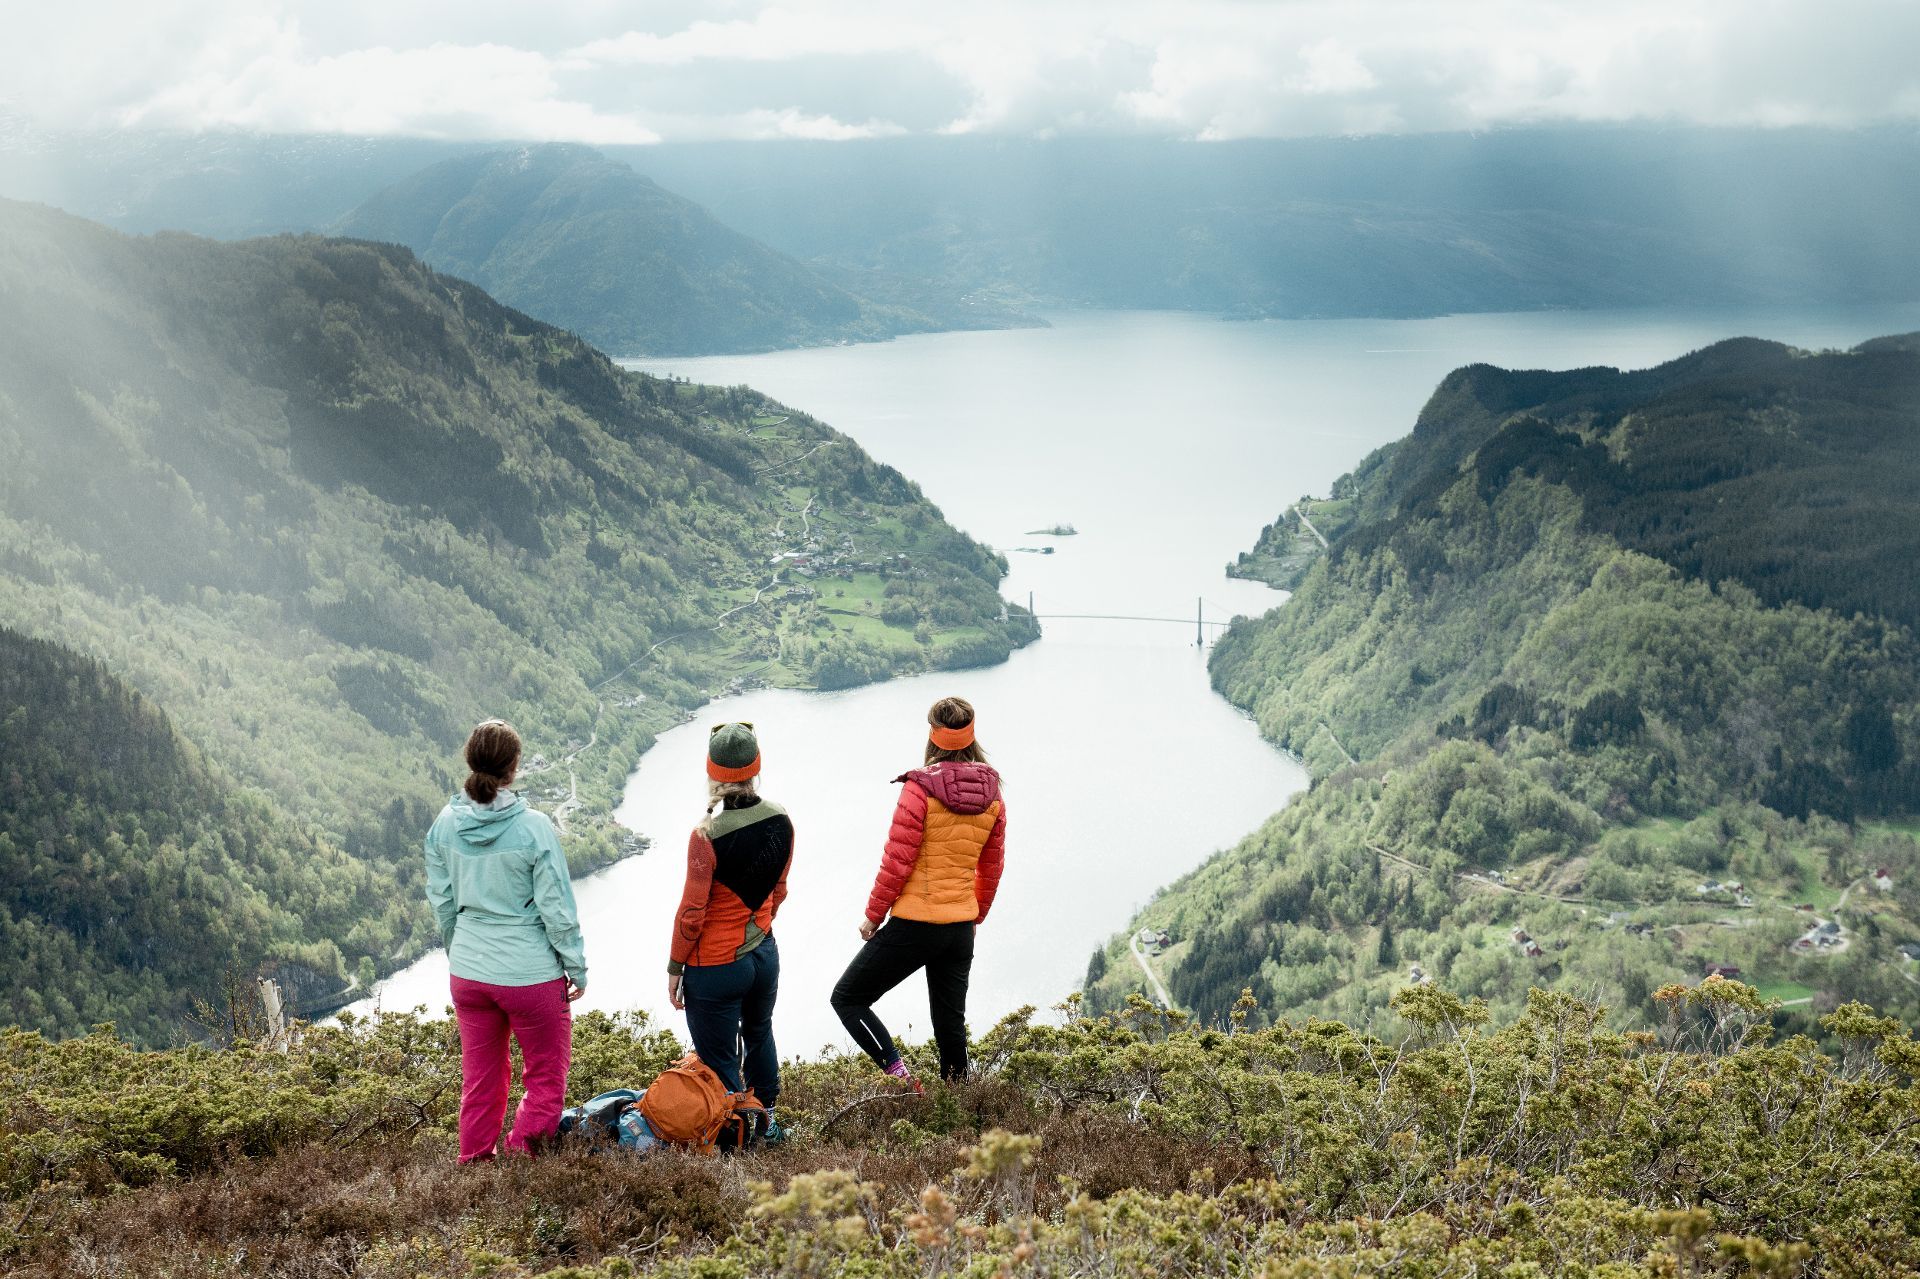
892	955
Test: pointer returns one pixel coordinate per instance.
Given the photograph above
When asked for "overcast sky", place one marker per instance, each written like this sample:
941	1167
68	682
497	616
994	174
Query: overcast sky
601	72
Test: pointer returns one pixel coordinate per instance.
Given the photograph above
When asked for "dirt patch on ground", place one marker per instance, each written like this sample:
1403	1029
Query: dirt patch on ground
1567	879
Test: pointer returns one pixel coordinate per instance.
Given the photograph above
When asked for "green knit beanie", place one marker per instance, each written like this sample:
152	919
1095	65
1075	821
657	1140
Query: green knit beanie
733	753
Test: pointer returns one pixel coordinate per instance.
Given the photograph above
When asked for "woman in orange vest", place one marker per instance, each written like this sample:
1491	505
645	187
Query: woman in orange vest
937	879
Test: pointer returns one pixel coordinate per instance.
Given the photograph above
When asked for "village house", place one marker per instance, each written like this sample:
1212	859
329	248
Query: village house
1824	937
1153	941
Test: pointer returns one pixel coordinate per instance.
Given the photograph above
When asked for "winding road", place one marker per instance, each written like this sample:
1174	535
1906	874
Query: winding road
1336	741
781	466
1481	881
567	806
1153	978
1310	528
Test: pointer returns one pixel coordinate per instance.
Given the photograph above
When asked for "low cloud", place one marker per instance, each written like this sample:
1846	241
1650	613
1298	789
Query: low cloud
582	70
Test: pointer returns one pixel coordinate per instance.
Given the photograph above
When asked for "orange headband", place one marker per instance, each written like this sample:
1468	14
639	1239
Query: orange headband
951	739
721	773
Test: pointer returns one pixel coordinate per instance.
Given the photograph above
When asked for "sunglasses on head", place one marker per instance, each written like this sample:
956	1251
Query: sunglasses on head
743	723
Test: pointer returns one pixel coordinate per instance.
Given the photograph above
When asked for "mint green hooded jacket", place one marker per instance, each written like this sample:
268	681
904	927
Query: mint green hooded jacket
498	884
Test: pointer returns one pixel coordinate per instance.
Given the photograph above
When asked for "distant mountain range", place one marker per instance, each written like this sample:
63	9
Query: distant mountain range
585	242
968	232
1417	225
280	518
1609	680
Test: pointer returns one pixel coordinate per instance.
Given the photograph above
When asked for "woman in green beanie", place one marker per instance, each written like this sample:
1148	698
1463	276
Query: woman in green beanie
724	969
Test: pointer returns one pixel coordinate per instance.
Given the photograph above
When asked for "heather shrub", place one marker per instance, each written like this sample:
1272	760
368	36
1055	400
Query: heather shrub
1136	1143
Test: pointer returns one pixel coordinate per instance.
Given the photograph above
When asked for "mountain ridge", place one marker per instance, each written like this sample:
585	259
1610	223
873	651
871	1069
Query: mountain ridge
1571	663
325	507
588	243
1516	219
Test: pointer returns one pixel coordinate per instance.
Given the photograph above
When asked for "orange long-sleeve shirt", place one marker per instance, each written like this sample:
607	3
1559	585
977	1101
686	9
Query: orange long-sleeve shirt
736	880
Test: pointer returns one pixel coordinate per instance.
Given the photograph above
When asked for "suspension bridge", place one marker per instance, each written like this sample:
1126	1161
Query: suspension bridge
1199	619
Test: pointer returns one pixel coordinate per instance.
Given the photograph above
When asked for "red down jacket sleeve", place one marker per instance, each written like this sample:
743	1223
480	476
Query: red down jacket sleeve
986	875
690	919
904	838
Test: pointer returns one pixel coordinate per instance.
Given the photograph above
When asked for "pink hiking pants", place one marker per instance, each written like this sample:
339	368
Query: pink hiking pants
540	1018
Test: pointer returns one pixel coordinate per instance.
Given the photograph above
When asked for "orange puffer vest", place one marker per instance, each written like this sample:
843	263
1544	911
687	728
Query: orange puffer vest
945	848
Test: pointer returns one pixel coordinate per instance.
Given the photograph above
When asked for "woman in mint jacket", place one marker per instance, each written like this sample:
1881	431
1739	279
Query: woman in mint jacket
498	884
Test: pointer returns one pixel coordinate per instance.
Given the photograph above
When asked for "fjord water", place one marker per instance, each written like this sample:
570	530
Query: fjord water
1167	440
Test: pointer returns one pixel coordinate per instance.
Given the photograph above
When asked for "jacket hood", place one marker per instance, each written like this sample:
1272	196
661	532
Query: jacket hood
481	825
961	785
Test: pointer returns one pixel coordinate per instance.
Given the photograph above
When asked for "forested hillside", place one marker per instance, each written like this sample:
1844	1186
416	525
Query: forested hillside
133	880
1607	679
325	508
585	242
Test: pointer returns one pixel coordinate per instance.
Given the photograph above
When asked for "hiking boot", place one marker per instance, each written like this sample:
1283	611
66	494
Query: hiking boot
774	1134
898	1070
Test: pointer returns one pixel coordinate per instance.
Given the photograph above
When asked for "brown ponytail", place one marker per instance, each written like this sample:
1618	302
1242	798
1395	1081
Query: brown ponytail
953	712
493	755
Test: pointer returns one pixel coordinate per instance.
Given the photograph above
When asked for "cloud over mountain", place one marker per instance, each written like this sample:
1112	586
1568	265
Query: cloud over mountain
1212	69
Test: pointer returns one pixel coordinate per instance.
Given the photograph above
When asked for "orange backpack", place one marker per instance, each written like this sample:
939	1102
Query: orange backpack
688	1105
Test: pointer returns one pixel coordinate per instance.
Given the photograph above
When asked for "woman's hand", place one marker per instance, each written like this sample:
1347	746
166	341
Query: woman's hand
867	929
676	991
574	992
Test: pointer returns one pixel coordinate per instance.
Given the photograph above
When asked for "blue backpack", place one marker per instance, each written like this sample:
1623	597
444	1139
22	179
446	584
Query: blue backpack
612	1118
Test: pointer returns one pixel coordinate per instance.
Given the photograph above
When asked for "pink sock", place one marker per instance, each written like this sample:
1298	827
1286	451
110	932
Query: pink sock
899	1068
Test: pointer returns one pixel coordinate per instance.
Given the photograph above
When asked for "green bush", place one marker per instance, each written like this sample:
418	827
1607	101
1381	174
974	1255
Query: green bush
1134	1143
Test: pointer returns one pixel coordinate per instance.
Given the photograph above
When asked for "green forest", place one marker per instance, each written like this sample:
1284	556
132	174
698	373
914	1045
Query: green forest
1706	1145
1607	681
315	509
130	870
